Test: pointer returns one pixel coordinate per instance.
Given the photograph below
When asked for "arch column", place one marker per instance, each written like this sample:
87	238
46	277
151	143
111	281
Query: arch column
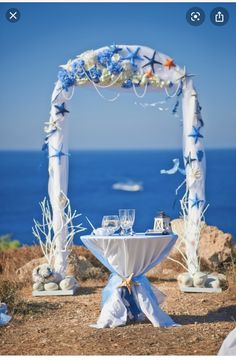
195	164
58	168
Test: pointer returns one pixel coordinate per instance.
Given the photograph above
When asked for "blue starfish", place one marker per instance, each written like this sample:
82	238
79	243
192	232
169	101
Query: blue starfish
59	153
132	56
115	49
151	62
196	134
196	201
61	109
188	159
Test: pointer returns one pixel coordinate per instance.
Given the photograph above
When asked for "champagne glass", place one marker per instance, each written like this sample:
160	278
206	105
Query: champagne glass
131	215
127	217
111	223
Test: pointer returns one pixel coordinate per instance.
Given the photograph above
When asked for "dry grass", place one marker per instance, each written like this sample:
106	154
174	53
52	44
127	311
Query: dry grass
13	259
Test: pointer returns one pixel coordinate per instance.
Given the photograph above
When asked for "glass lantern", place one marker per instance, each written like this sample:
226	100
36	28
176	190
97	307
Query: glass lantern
162	224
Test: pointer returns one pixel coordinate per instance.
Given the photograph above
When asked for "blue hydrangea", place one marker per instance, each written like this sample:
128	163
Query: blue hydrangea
114	68
67	78
104	57
94	74
127	84
78	68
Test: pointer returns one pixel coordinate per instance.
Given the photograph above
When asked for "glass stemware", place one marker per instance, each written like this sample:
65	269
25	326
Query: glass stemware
127	217
111	223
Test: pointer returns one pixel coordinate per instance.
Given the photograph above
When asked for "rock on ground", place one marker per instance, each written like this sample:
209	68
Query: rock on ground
24	273
81	268
215	247
78	266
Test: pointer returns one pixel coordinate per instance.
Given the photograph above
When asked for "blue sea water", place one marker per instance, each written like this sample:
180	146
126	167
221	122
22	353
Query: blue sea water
24	176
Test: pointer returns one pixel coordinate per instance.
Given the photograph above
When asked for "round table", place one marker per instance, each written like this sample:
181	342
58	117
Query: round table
129	294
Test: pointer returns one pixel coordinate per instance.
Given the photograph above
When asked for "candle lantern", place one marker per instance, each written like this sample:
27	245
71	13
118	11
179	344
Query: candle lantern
162	224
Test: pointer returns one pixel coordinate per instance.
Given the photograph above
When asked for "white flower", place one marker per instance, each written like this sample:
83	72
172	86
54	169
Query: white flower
89	58
67	66
105	77
155	81
115	57
144	81
81	81
126	65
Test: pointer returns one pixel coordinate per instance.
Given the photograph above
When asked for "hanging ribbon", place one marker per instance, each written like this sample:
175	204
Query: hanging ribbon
174	169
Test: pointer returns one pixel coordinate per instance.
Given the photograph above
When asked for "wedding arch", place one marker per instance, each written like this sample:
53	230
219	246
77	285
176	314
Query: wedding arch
139	69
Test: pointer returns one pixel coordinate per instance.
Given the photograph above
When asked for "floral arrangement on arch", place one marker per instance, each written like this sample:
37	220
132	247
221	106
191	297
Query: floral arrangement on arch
114	65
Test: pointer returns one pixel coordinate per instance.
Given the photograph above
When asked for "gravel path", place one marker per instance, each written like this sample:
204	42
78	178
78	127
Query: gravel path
60	325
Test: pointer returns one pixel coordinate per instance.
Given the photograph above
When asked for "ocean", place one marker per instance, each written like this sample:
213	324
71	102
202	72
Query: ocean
24	176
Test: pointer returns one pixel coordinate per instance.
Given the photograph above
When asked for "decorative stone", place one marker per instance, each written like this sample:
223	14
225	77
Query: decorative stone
199	279
38	286
68	283
51	286
212	281
45	274
185	279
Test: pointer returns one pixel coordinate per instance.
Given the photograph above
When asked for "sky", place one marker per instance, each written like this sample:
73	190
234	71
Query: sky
48	35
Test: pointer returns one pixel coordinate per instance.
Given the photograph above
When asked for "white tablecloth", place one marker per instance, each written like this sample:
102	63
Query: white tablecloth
229	345
123	256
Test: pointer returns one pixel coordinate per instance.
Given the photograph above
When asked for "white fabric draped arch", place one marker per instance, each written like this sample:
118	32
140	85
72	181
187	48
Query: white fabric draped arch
141	69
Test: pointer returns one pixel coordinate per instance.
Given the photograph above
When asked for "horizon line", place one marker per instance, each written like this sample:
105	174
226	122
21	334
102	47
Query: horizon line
116	149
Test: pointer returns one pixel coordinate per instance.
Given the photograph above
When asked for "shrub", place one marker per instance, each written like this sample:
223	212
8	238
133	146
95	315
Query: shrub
6	242
9	293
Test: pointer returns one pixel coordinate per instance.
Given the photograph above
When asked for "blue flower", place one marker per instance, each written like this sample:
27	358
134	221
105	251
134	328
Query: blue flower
114	68
104	57
127	84
78	68
94	74
67	79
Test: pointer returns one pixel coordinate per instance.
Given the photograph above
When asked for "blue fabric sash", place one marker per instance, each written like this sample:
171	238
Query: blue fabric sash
130	300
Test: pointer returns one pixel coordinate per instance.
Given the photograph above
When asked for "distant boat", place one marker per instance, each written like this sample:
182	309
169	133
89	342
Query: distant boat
127	186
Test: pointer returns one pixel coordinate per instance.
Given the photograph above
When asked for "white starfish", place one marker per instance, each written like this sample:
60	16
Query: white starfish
185	75
51	125
195	174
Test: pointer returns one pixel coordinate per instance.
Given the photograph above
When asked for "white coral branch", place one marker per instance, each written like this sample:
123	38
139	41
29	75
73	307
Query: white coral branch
47	236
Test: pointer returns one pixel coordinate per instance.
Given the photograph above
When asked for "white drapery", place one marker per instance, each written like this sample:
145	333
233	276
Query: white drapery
124	256
192	147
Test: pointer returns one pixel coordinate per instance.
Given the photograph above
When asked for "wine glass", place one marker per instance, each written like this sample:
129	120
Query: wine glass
111	223
127	217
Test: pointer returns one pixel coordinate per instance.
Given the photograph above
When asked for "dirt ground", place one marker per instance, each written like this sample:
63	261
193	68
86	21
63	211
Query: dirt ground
60	325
